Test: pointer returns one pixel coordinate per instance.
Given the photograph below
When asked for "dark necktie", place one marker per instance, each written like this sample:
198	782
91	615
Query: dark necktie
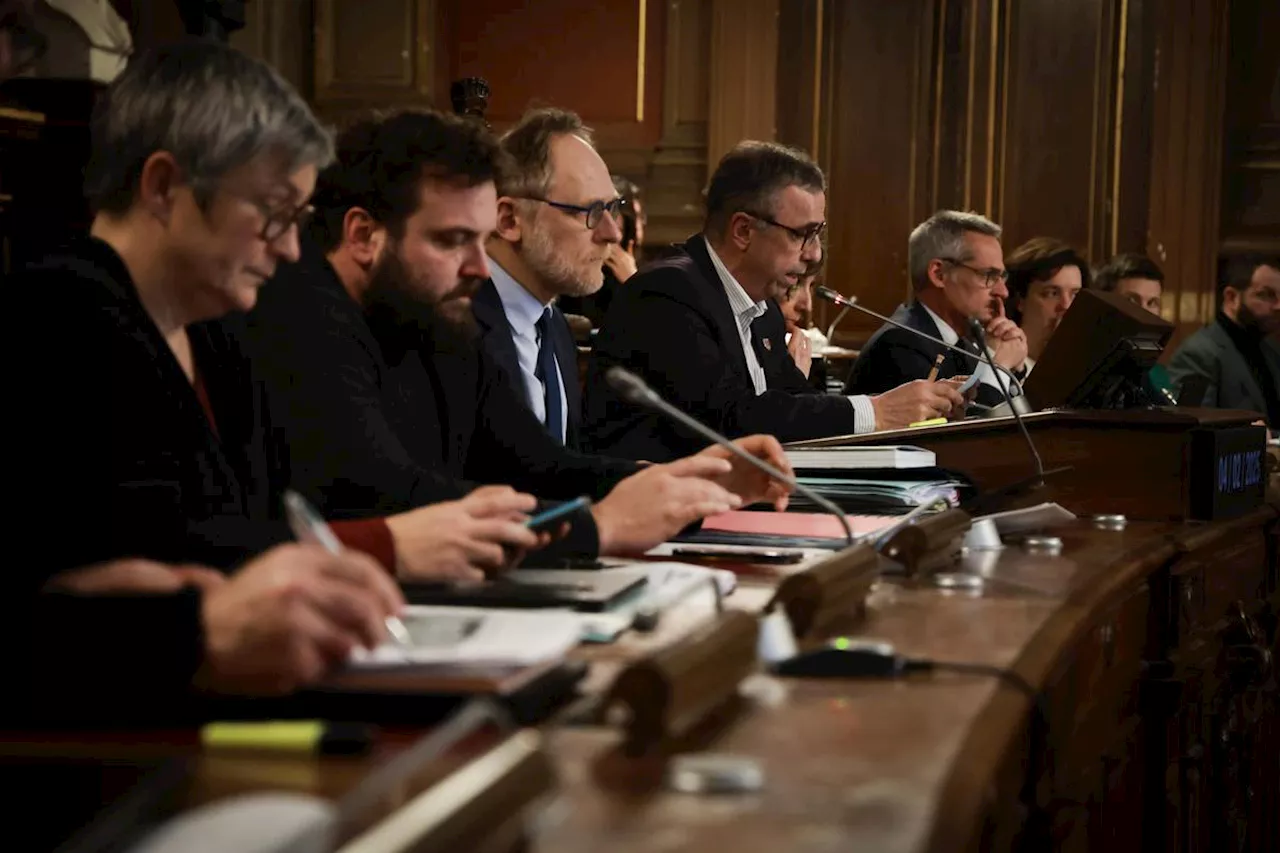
549	376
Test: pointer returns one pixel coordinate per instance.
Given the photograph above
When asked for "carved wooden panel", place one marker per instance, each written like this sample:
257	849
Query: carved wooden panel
874	146
602	60
1056	122
1186	157
743	70
1251	190
371	53
281	35
678	168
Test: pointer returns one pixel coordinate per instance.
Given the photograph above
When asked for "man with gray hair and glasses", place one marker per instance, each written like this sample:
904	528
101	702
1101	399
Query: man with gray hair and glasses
957	273
704	329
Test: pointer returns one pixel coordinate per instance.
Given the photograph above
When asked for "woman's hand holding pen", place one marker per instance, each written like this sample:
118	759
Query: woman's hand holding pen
288	617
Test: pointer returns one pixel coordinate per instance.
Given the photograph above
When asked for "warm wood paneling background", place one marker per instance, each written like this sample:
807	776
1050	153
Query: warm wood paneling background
1119	125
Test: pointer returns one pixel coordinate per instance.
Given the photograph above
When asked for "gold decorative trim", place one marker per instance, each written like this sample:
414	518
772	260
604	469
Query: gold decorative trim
640	64
1119	129
1004	109
989	196
1101	83
968	105
940	33
817	79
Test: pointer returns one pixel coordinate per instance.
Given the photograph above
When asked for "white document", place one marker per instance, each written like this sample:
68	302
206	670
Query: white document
852	458
1040	517
477	636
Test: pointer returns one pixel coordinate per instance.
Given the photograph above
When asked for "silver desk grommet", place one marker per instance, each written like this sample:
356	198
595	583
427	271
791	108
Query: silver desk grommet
1110	522
960	581
1043	544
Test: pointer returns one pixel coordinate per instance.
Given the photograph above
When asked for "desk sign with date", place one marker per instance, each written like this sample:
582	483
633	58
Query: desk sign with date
1228	471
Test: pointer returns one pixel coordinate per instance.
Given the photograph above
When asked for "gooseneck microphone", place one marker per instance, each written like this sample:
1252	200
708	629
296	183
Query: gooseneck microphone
633	389
852	302
979	335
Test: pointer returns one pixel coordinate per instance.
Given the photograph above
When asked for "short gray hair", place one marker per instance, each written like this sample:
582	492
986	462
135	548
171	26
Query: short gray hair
528	147
942	236
211	107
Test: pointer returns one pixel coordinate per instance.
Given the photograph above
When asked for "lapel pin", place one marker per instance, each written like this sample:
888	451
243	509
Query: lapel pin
768	344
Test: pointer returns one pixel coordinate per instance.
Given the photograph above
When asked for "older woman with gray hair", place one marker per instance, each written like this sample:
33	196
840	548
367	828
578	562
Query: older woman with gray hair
148	432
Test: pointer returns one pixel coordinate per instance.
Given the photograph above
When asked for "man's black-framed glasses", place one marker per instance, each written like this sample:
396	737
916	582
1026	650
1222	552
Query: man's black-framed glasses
805	235
990	277
594	212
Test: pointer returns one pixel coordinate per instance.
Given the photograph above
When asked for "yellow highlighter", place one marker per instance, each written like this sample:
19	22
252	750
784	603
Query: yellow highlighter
930	422
301	736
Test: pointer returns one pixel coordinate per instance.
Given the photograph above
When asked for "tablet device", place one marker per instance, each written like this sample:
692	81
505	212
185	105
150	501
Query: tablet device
591	590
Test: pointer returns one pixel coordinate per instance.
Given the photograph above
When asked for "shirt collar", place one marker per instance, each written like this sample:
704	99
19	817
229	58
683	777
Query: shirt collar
522	308
945	331
739	301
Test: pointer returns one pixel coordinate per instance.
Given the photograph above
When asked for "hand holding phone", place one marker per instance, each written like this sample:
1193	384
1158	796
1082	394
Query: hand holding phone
549	520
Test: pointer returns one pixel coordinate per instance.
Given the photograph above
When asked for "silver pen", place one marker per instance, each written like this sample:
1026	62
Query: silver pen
308	526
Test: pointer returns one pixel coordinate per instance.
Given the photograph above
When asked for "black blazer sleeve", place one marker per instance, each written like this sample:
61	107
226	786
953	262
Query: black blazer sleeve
893	358
101	660
678	348
325	382
121	460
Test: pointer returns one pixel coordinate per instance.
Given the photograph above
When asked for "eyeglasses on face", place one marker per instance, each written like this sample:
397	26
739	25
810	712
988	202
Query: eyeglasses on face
278	222
805	236
594	212
990	277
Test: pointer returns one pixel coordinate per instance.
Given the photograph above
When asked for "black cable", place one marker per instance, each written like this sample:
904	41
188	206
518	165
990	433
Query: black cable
1008	676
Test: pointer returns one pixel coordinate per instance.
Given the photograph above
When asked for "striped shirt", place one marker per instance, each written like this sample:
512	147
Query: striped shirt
746	312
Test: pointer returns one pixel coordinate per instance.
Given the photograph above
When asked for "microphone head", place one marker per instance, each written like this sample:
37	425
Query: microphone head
976	329
831	296
629	386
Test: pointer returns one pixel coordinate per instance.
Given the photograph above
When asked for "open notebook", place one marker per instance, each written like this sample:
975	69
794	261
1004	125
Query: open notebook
469	636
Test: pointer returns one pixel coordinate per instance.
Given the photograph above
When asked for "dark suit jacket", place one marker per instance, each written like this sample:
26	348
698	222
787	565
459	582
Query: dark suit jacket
673	326
496	340
1212	354
893	357
119	456
388	409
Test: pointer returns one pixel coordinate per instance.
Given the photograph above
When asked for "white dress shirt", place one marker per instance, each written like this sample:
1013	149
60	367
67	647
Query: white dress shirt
746	312
523	311
985	374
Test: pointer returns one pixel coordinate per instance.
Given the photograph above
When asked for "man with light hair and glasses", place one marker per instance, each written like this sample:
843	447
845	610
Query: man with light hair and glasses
558	221
957	272
704	329
141	429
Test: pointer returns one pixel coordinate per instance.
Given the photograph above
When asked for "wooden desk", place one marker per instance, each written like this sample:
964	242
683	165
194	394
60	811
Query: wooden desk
1133	463
1160	727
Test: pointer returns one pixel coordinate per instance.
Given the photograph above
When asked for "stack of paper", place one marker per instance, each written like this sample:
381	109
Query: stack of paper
853	458
877	495
472	636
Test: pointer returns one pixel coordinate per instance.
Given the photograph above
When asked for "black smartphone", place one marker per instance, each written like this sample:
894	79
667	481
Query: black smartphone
550	518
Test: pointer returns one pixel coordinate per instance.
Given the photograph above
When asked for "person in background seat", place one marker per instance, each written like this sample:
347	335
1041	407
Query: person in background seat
1238	354
1045	276
1135	277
